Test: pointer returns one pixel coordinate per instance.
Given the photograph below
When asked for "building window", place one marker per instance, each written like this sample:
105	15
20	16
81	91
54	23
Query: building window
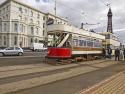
37	31
38	16
0	28
43	32
20	17
21	27
24	41
7	8
3	17
43	17
0	25
25	19
43	25
15	40
5	27
6	16
20	9
36	40
25	10
32	13
38	22
24	28
31	40
31	20
4	11
32	30
16	27
0	40
4	40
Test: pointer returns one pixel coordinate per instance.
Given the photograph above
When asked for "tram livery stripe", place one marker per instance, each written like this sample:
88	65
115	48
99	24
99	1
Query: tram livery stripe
86	52
86	49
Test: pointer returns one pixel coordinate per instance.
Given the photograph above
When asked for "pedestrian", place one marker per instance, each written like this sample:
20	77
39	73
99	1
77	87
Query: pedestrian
110	53
117	53
124	53
104	53
121	54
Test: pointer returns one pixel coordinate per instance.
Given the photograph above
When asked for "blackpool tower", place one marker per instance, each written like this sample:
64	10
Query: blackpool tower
109	24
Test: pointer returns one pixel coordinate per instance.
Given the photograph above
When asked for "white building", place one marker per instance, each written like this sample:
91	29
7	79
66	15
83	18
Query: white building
22	25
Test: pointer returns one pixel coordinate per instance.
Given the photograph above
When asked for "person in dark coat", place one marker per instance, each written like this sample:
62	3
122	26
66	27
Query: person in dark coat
110	53
124	53
117	54
104	53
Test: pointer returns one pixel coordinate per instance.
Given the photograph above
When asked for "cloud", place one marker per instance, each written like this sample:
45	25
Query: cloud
120	30
95	11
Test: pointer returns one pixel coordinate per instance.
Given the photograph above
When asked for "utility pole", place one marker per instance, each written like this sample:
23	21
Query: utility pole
55	7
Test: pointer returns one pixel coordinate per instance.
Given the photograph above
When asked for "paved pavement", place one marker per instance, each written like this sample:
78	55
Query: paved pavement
112	85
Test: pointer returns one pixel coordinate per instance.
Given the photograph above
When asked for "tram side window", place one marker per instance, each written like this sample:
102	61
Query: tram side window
108	36
75	42
84	42
89	43
80	43
98	44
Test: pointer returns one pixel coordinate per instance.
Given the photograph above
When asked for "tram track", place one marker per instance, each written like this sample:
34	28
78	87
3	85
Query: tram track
34	66
25	76
29	80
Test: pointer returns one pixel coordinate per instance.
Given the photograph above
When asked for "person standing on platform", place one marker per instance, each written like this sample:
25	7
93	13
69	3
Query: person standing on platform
110	53
124	53
104	53
117	53
121	55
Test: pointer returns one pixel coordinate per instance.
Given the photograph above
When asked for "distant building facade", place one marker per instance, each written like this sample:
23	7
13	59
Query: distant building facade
22	25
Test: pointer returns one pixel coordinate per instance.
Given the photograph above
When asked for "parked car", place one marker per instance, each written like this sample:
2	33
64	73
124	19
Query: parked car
12	51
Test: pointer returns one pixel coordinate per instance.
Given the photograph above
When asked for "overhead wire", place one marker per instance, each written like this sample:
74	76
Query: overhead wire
76	11
64	5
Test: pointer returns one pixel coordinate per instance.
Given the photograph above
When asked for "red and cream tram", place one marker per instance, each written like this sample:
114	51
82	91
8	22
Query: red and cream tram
68	41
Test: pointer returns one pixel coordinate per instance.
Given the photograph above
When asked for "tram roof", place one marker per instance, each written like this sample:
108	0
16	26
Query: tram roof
60	28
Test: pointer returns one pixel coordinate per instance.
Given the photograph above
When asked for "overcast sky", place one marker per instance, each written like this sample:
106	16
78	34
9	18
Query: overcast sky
86	11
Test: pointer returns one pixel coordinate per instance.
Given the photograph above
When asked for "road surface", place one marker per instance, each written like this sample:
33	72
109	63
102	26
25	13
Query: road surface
29	74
